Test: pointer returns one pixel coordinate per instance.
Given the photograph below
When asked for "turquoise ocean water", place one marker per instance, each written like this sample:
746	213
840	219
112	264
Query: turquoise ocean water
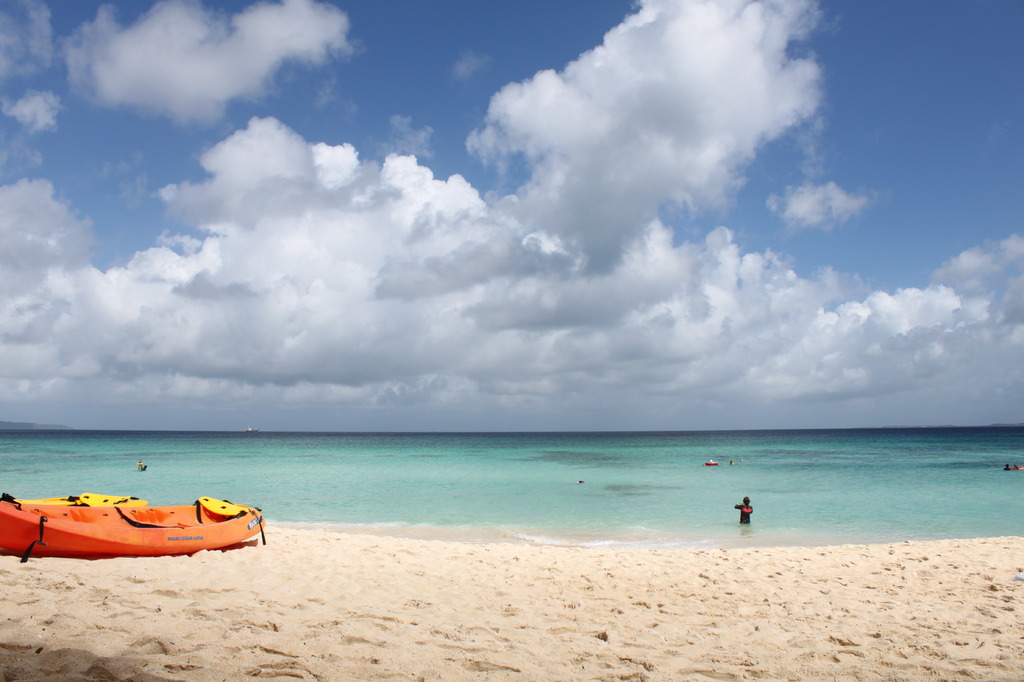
810	487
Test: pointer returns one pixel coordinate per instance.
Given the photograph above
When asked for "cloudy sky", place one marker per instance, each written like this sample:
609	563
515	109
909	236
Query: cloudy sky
461	215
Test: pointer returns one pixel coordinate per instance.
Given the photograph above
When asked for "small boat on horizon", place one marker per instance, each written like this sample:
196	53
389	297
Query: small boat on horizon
249	429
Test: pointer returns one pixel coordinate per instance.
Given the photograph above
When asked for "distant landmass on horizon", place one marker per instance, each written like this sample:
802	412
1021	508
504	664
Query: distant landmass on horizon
28	426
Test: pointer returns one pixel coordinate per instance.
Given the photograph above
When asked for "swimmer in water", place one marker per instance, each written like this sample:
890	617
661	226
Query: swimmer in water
745	510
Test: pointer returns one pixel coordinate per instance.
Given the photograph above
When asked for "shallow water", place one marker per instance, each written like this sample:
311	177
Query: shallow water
641	489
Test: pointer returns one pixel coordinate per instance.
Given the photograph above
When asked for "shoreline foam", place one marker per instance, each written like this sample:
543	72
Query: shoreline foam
321	605
727	536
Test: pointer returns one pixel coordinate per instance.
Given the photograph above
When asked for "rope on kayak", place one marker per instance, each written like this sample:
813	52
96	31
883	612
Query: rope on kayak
28	550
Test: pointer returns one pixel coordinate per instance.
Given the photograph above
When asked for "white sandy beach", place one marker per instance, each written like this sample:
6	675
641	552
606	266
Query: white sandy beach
317	605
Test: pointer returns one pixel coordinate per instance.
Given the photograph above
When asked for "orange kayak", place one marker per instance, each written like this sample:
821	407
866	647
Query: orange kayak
70	531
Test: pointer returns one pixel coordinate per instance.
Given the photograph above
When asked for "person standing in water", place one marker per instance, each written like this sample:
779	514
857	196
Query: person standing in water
745	510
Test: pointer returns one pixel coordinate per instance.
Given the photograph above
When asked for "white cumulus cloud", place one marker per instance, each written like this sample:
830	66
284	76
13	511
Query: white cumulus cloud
817	206
381	285
37	111
187	62
669	108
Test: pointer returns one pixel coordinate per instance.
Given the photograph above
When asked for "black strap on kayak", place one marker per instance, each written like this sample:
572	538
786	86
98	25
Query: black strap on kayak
241	513
257	512
10	498
139	524
28	550
199	511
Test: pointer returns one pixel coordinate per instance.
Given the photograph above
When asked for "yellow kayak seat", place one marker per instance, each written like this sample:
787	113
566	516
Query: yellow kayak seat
96	500
89	500
222	507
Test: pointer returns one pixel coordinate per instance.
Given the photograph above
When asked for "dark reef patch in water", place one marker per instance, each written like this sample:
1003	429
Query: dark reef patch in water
582	459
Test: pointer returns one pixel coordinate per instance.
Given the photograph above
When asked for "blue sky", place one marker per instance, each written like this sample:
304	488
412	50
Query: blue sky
398	215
